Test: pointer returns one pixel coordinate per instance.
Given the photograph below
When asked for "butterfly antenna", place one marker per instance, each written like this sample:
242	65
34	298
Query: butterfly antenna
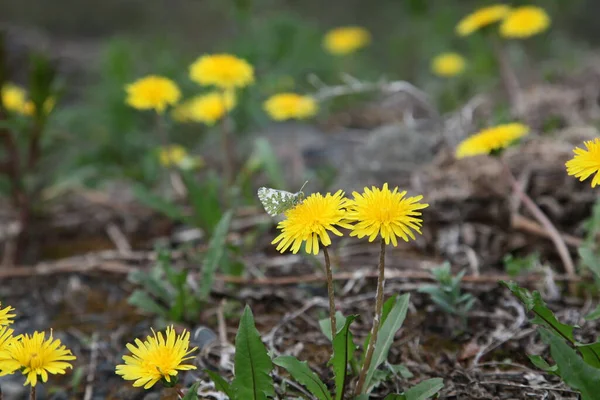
303	186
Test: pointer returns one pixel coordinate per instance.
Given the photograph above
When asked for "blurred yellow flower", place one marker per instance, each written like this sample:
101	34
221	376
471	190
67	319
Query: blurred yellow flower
586	162
309	221
6	340
207	108
29	107
481	18
346	40
284	106
222	70
523	22
158	357
6	316
491	139
152	92
171	155
448	64
34	355
386	213
14	98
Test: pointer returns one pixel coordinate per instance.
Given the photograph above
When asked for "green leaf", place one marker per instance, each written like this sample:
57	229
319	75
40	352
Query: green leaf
214	254
387	307
400	369
325	324
590	353
204	198
395	397
252	363
594	315
264	152
304	375
572	369
143	301
590	259
425	389
343	351
539	362
385	338
159	204
220	384
150	284
192	393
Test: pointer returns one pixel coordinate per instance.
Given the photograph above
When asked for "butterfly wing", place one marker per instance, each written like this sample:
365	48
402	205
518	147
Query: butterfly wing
276	201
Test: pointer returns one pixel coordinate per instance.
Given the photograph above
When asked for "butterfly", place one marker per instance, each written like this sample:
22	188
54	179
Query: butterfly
277	202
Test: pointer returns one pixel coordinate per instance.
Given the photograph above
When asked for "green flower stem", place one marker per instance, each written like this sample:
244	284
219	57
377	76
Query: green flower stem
330	293
376	321
509	78
32	395
180	393
554	234
228	165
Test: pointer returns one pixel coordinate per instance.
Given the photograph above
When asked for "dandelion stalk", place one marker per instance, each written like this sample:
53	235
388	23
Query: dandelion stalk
32	395
376	320
229	160
554	234
509	78
330	292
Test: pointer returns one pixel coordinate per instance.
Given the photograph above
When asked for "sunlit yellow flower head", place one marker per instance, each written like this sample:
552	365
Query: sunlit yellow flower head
310	221
172	155
29	107
586	162
6	316
346	39
285	106
481	18
385	213
448	64
14	98
34	355
158	357
225	71
207	108
523	22
491	139
6	340
152	92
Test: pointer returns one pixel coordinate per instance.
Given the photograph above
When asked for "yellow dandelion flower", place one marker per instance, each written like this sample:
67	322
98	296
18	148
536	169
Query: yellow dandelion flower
210	108
152	92
523	22
285	106
6	317
222	70
172	155
491	139
386	213
586	162
448	64
309	222
35	355
158	357
6	340
14	98
481	18
29	107
346	40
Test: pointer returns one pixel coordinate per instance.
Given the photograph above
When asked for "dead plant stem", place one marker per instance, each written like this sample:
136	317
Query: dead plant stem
376	321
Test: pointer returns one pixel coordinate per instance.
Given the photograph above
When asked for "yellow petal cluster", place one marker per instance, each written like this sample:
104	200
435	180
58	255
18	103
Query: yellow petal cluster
448	64
586	162
310	221
224	71
6	315
284	106
491	139
158	357
481	18
386	213
171	155
207	108
152	93
14	98
346	40
523	22
35	355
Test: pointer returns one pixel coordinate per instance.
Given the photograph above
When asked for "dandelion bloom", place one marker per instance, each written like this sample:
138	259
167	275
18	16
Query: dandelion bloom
29	107
6	340
309	222
491	139
6	318
346	40
158	357
448	64
523	22
222	70
171	155
586	162
152	92
207	108
289	106
481	18
36	356
386	213
14	98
